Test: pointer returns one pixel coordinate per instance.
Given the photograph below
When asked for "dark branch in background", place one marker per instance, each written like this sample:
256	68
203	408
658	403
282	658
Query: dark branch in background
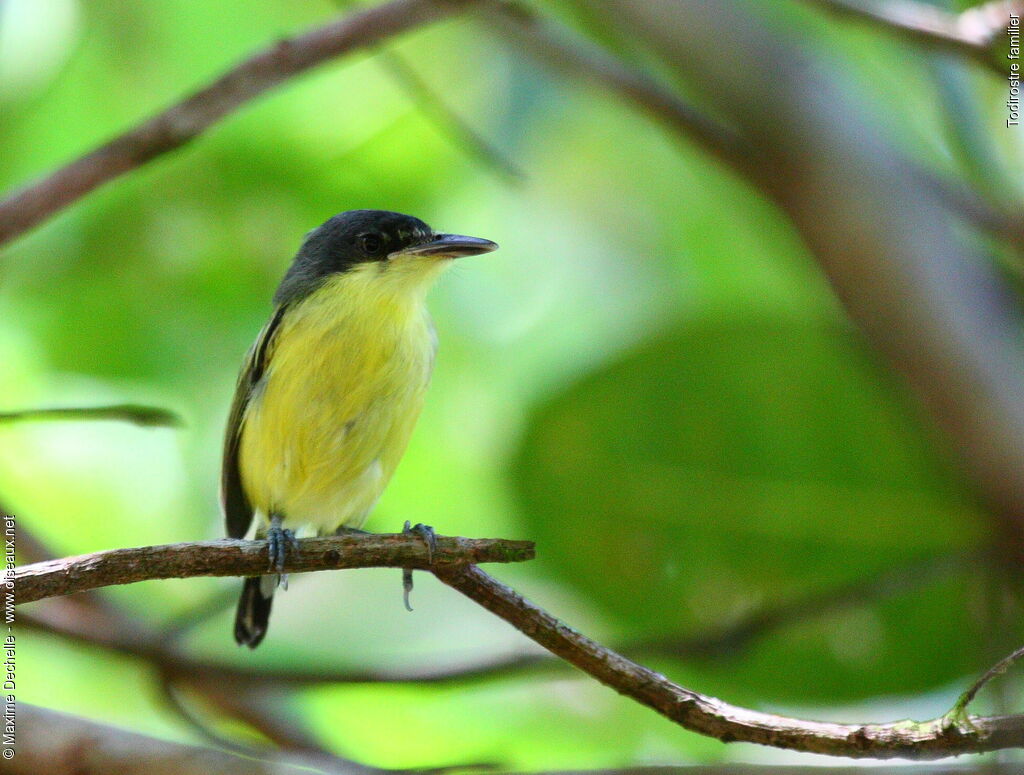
262	712
260	705
230	557
721	643
92	612
573	56
188	119
52	743
139	415
923	294
732	639
974	33
712	717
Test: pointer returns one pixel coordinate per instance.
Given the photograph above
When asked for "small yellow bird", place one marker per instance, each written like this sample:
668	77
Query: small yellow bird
330	391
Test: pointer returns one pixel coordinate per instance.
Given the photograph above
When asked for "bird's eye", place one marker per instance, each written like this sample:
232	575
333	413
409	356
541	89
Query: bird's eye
371	243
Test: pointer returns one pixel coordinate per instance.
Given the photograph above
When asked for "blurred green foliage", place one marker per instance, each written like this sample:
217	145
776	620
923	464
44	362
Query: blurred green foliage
650	379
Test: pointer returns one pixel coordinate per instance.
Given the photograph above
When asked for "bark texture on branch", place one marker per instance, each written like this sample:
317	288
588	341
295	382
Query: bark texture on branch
232	557
712	717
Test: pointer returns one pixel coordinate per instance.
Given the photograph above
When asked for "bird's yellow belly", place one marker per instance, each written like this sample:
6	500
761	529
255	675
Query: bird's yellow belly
331	418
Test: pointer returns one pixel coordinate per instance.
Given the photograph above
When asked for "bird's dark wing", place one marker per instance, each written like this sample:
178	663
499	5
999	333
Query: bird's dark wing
237	509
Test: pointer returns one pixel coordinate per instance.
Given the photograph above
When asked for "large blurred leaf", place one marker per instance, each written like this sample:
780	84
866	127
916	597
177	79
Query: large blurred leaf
742	465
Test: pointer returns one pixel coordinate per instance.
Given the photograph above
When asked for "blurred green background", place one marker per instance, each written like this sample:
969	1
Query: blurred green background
651	379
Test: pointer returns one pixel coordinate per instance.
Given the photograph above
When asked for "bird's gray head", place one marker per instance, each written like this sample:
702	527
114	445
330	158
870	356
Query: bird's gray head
359	239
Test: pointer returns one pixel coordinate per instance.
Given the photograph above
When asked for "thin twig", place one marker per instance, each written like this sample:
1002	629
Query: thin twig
231	557
172	696
570	54
972	33
446	120
189	118
252	708
548	42
243	702
714	718
149	416
434	107
997	669
53	743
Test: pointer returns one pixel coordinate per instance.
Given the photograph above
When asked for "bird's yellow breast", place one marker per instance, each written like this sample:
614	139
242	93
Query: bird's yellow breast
343	388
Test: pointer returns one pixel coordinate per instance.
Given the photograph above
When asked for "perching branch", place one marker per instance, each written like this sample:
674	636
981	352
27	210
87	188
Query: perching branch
728	723
229	557
93	614
191	117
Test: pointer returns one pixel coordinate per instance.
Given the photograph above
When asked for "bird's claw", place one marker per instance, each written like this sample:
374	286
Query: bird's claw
426	533
280	542
406	587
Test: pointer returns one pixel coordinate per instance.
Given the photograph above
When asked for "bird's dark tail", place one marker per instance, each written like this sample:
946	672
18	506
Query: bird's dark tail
254	611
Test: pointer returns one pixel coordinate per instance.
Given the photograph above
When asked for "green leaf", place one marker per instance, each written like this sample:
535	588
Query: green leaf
731	467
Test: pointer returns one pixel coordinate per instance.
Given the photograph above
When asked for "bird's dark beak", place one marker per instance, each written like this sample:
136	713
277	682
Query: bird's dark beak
448	246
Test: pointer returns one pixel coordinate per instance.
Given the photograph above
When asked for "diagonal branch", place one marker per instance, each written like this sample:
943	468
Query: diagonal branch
714	718
188	119
54	743
230	557
569	54
922	291
972	33
548	42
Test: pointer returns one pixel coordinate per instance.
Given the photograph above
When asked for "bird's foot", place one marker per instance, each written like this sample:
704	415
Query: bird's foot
425	532
280	542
